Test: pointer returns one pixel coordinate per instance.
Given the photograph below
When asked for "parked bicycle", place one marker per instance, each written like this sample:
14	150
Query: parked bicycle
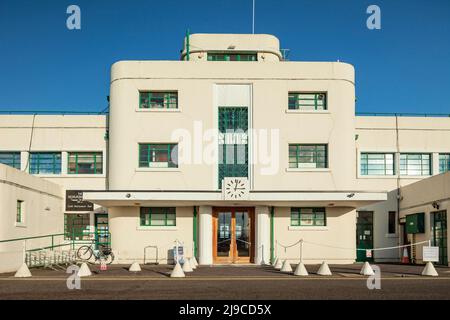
103	253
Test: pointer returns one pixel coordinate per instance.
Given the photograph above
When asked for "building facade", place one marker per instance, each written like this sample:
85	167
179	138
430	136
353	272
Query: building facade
238	155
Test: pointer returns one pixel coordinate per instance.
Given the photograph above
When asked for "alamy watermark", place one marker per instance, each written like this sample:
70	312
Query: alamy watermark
374	20
73	21
374	281
73	281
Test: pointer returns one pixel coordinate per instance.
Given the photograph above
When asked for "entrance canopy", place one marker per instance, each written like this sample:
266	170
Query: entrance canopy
353	199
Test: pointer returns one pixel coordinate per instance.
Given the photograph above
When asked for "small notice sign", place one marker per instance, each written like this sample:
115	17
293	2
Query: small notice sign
368	253
430	254
103	266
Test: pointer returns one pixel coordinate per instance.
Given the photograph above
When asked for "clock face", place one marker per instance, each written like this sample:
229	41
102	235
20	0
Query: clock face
235	188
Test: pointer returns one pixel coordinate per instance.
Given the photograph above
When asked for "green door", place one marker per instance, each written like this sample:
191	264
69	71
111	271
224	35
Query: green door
101	230
439	234
364	235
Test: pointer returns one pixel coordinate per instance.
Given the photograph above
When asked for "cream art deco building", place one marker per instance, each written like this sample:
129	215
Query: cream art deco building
238	154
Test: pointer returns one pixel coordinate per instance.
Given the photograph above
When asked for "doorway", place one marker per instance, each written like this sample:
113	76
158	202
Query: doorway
364	236
233	235
439	234
101	230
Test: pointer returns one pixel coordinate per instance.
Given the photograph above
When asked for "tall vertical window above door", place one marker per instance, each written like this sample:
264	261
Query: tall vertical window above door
233	142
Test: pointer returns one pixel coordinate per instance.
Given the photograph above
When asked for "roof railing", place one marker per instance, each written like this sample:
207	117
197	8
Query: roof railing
52	112
403	114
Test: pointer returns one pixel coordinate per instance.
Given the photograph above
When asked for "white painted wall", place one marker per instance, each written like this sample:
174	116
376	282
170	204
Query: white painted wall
43	214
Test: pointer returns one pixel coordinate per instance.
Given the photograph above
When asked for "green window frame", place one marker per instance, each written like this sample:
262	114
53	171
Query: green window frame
85	163
307	156
158	155
308	217
158	216
307	101
11	159
377	164
444	162
158	100
45	163
218	56
415	164
77	226
19	211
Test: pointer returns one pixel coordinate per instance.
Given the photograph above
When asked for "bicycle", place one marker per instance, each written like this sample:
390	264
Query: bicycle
85	253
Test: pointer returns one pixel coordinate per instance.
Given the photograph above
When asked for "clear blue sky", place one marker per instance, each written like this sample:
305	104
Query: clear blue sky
404	67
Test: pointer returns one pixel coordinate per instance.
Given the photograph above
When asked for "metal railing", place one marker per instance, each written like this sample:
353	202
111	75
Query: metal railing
404	114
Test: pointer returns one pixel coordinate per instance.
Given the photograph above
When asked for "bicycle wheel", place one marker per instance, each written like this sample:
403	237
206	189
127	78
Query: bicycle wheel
84	253
109	258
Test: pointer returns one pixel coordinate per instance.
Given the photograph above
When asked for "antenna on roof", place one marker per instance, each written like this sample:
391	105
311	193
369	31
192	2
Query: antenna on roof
253	18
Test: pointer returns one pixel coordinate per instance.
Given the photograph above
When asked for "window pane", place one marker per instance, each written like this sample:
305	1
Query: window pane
158	155
45	162
158	100
307	100
377	164
415	164
11	159
444	162
308	156
85	163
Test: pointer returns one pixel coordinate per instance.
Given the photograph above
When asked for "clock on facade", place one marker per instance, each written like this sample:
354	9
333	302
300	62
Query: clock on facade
235	188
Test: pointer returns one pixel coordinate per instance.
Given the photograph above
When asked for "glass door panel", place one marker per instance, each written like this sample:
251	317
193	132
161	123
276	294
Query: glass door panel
224	234
242	234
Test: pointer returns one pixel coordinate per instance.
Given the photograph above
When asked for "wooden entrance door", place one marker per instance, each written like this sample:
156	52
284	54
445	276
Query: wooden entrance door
233	235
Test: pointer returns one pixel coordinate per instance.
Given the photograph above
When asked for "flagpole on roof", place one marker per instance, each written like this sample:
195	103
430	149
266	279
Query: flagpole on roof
253	18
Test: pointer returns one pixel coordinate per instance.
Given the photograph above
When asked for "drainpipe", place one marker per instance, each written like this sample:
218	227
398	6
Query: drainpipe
272	238
194	236
397	145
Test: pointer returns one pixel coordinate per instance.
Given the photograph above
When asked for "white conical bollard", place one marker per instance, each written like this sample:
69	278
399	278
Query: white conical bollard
300	270
366	270
279	264
286	267
195	262
177	272
192	263
429	270
135	267
23	271
324	270
187	266
274	262
84	270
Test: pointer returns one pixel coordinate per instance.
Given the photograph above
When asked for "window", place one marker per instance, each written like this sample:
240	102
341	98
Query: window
444	162
392	222
308	217
76	226
377	164
19	212
85	163
158	100
158	155
45	162
232	57
11	159
307	101
308	156
153	216
415	164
